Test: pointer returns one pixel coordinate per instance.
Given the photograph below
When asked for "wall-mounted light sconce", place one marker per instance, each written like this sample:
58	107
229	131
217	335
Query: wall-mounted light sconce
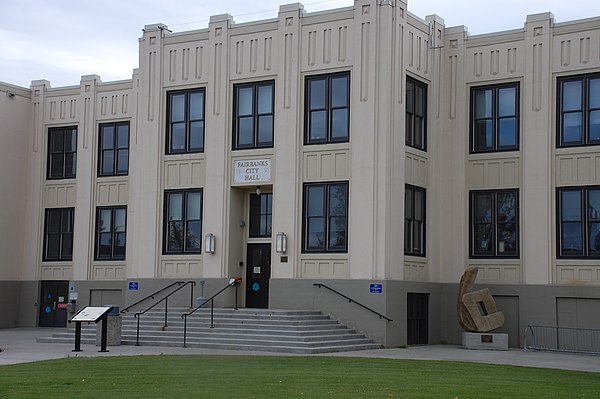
209	243
281	243
257	190
242	223
10	94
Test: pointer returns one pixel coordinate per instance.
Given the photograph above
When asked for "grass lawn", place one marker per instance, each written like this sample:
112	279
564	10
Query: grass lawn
212	377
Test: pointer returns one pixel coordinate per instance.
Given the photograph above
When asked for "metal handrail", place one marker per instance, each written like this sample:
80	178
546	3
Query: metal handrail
184	316
151	296
166	299
352	300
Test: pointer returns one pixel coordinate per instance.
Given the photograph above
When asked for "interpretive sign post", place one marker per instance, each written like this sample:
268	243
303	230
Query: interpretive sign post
91	314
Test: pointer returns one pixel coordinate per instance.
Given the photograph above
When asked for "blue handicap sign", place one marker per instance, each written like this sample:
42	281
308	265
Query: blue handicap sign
134	286
376	288
255	287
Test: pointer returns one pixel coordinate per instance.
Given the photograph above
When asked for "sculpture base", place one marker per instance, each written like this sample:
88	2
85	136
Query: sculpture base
486	341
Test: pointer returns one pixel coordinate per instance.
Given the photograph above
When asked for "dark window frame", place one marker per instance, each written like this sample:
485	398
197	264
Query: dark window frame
63	154
328	108
267	215
112	233
61	235
586	220
495	118
326	217
410	133
115	149
169	150
494	222
256	115
184	219
585	110
411	220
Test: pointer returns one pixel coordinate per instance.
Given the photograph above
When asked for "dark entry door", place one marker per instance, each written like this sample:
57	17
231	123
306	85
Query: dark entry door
258	272
417	314
53	303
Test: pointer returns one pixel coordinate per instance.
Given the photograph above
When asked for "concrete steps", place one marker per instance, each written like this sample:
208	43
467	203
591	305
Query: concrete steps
289	331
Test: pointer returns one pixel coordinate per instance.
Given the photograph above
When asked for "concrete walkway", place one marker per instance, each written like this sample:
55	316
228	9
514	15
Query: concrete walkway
18	346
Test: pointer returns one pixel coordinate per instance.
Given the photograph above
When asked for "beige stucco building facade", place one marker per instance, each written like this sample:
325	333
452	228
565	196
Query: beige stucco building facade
388	149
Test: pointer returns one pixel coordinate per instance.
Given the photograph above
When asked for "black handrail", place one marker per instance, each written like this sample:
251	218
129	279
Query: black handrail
166	299
352	300
184	316
151	296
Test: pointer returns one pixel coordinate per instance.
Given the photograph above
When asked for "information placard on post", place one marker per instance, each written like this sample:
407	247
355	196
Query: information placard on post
91	314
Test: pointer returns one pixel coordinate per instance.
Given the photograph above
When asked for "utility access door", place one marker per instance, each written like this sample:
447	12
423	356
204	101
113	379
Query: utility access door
53	303
417	319
257	275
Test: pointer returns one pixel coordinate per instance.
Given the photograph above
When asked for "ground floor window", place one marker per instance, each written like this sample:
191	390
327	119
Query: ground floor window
111	224
325	217
578	222
414	221
494	227
183	221
58	234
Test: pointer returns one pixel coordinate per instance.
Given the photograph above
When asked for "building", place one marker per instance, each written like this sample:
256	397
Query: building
350	131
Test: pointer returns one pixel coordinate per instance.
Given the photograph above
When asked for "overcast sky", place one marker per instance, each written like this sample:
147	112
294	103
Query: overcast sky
60	40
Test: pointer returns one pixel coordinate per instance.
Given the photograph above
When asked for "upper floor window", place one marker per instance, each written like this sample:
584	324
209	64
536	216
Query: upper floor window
254	112
183	221
325	217
62	152
261	214
111	226
185	121
495	118
58	234
327	115
416	114
494	227
578	222
579	110
113	149
414	221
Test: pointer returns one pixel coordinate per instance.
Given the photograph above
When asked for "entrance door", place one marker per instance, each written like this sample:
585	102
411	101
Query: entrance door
53	303
258	272
417	315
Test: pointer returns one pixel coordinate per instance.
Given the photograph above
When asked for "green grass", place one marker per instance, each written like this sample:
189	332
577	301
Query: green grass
285	377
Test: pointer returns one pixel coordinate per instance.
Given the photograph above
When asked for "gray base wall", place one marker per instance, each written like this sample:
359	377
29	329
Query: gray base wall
522	305
10	293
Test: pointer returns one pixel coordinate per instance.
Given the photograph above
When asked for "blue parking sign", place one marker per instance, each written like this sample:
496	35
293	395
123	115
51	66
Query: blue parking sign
376	288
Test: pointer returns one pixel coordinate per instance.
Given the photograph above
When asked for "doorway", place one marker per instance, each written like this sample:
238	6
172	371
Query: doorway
53	303
258	272
417	319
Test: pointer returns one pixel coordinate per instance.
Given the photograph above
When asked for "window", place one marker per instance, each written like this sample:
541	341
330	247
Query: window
113	149
261	206
325	217
111	223
414	221
494	224
253	120
183	222
185	121
416	114
62	152
579	222
58	234
579	111
327	117
495	118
